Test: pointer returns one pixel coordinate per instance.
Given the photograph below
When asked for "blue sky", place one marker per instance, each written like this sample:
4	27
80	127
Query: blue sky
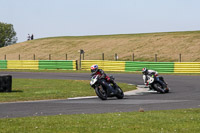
49	18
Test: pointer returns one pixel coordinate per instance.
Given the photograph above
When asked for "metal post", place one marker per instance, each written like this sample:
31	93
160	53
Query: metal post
76	64
19	56
49	56
155	57
33	56
179	57
5	57
116	57
81	52
133	56
80	62
66	56
102	56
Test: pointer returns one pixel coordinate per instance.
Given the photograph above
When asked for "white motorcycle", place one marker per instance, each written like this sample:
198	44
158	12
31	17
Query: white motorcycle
156	83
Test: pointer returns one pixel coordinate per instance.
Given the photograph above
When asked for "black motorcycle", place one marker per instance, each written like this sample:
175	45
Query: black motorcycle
102	88
157	83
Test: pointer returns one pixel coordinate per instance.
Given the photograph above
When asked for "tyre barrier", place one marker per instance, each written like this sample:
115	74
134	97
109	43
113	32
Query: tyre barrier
5	83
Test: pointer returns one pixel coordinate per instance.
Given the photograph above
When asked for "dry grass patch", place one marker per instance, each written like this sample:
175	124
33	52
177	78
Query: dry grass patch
167	46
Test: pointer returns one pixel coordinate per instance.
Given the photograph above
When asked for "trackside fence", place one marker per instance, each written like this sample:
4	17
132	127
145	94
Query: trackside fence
162	67
38	64
124	66
187	67
57	64
135	66
105	65
3	64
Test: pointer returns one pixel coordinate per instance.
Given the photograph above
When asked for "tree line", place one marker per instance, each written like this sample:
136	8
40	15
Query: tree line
7	34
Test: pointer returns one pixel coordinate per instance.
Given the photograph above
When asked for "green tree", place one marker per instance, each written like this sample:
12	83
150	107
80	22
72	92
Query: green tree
7	34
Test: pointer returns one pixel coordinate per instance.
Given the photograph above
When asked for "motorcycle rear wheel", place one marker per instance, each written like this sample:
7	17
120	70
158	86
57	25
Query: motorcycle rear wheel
101	93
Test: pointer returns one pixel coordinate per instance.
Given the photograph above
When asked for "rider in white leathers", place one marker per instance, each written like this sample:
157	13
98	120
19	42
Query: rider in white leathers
146	72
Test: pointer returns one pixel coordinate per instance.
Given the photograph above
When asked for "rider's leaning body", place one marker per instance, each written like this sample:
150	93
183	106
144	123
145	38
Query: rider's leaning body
102	75
147	72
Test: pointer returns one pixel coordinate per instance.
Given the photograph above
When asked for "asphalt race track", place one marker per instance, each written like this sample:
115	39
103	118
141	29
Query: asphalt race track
185	93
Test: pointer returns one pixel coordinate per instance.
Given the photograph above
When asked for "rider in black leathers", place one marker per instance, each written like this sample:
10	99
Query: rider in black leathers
102	75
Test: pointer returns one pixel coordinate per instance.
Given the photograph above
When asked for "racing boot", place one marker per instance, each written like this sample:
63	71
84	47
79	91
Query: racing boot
114	84
113	91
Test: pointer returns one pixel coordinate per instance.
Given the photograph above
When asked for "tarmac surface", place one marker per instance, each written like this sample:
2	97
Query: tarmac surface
184	94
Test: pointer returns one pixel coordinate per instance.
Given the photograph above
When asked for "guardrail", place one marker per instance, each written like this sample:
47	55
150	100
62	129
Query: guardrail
105	65
162	67
57	64
187	67
38	64
22	64
126	66
3	64
135	66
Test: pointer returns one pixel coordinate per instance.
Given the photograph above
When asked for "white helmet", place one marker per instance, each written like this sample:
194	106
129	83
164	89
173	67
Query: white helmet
94	68
144	70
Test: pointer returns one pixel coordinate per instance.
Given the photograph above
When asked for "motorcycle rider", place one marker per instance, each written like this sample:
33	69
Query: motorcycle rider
146	72
96	71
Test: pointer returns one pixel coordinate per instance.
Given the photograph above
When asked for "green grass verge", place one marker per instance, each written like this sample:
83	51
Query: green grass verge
180	121
42	89
81	71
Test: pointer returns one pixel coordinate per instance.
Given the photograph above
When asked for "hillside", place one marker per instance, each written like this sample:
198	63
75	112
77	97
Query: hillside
167	46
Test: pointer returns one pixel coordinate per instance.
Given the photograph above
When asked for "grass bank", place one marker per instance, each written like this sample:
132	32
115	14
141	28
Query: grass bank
42	89
180	121
167	46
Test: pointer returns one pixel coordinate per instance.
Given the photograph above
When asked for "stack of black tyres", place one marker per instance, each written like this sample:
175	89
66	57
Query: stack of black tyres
5	83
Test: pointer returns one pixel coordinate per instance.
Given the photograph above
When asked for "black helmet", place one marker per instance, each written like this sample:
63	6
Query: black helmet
144	70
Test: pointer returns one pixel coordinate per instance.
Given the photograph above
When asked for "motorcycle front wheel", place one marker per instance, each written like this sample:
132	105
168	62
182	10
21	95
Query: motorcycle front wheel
120	93
101	93
167	90
159	87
